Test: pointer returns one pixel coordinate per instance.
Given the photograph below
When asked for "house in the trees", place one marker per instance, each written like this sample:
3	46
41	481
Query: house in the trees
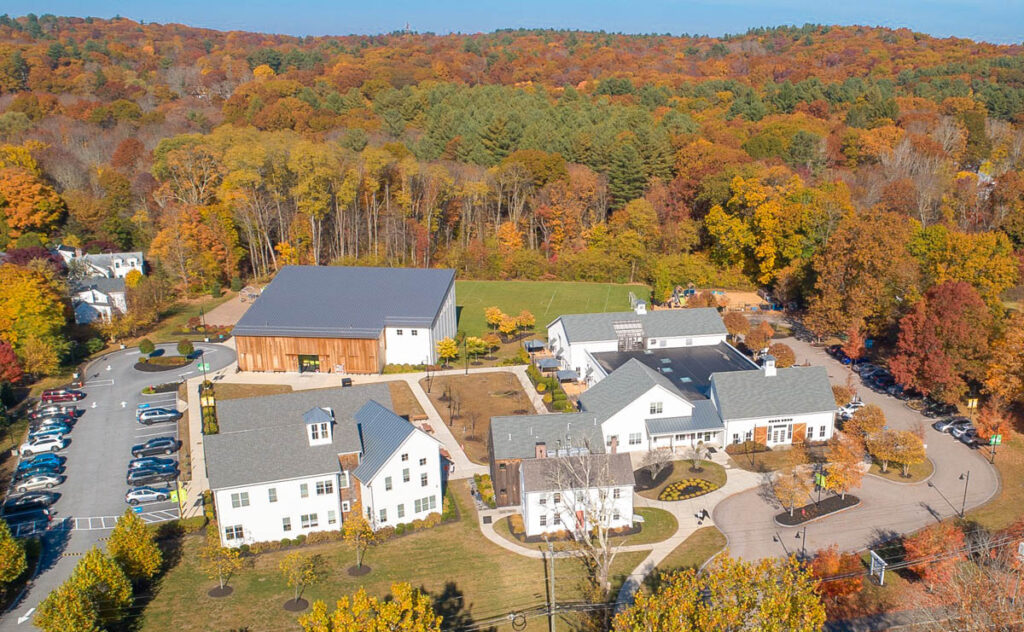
347	319
291	464
99	298
574	338
576	493
112	265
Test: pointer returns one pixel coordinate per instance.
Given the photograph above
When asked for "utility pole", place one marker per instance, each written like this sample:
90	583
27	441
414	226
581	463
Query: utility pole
551	592
966	478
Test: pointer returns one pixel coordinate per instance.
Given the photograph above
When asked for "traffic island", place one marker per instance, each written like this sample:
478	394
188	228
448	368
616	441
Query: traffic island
162	363
296	605
814	511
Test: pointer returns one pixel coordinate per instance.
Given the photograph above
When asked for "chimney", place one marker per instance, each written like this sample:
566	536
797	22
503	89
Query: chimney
641	309
768	365
614	447
541	450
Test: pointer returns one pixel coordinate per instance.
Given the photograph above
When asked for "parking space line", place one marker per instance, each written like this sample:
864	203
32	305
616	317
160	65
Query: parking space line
98	383
167	431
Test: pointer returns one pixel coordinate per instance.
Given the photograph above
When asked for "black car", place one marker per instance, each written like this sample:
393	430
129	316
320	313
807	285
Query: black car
937	410
29	500
156	445
148	476
152	462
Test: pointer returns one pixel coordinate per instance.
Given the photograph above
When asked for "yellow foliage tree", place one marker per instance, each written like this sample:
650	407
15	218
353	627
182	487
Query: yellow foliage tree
28	203
32	315
408	610
447	349
493	316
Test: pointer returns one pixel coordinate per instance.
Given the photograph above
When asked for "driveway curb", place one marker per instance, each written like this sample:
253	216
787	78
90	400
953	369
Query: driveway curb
889	480
828	515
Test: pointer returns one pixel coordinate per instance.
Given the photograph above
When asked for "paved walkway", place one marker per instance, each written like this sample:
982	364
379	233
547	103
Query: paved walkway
887	508
464	468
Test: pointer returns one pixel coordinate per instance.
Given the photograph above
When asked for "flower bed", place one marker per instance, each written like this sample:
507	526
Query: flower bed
157	389
813	511
686	489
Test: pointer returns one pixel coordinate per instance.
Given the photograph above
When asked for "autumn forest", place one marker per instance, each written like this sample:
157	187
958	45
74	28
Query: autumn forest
872	177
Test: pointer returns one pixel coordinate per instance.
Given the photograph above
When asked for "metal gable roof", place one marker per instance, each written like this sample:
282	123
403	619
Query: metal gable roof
661	323
792	391
383	433
346	302
705	418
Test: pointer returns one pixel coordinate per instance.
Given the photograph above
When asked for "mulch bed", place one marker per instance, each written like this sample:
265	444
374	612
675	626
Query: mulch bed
150	367
217	592
169	387
358	571
644	481
296	605
827	506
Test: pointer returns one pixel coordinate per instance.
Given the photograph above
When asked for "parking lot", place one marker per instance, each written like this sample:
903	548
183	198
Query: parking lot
97	456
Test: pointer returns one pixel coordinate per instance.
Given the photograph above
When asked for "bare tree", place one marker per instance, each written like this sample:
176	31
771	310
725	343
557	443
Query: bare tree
588	506
696	454
657	460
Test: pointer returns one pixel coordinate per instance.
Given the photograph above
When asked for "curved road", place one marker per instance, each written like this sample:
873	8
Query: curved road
886	508
97	459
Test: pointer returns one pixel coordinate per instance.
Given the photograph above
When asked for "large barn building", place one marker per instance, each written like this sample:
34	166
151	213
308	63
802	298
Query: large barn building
347	320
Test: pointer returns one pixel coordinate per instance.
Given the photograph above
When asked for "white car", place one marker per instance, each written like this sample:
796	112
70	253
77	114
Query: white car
43	444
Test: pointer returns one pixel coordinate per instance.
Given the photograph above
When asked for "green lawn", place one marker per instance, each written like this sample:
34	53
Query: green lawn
658	525
546	300
918	472
712	472
454	558
695	550
1008	505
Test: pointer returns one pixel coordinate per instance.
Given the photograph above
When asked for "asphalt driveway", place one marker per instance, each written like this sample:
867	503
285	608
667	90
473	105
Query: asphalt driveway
97	460
887	508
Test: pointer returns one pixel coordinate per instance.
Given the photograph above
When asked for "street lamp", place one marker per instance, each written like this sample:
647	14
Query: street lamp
966	478
803	546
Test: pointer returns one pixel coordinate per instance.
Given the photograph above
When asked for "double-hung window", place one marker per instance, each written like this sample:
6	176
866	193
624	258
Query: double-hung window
286	524
304	490
405	475
240	499
423	479
324	487
234	532
657	407
272	495
634	438
309	521
387	483
383	515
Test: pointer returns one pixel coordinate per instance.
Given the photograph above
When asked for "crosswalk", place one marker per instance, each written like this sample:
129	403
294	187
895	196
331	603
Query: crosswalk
100	523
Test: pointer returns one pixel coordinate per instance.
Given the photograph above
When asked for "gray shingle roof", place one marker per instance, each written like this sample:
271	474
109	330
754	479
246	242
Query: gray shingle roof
263	439
606	470
101	284
705	418
621	388
383	432
516	437
345	302
657	323
793	391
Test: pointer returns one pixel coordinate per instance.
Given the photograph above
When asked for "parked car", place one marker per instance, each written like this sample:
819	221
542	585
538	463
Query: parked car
148	476
970	438
833	350
961	429
151	462
28	501
61	395
863	367
39	481
52	409
41	458
46	432
52	426
28	520
55	417
156	445
158	415
138	495
936	409
42	444
42	468
947	424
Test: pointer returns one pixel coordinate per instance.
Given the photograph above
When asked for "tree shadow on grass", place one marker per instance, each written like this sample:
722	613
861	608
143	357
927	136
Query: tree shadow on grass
451	605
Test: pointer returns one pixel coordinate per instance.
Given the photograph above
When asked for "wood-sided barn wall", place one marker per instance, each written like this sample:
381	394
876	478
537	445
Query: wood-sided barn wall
278	353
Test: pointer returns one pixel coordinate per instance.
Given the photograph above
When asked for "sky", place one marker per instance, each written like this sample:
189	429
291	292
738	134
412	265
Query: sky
998	21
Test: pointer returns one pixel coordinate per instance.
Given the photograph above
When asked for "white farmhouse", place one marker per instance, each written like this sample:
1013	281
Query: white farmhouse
576	493
296	463
113	265
575	338
98	298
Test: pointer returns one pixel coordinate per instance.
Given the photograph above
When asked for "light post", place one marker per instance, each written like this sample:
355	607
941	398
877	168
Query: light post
966	478
803	545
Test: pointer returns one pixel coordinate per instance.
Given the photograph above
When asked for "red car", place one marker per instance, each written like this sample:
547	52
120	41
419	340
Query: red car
61	395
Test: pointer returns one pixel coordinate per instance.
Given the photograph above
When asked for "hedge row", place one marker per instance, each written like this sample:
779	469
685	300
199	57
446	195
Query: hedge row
486	489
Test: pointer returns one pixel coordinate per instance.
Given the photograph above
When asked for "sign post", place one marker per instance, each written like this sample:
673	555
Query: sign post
993	441
878	567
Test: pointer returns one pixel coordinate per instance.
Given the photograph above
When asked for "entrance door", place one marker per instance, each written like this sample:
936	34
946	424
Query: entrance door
309	364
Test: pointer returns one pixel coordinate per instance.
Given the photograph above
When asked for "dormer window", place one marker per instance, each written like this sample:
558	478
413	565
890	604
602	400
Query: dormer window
319	422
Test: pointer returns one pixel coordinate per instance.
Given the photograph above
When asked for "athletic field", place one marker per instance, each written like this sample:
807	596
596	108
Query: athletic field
547	300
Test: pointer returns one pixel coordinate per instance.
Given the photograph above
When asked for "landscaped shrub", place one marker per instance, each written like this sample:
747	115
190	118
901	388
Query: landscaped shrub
746	447
185	348
521	357
390	369
449	511
547	398
686	489
432	520
92	345
236	283
515	525
319	537
486	489
542	387
146	346
385	533
534	374
400	529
